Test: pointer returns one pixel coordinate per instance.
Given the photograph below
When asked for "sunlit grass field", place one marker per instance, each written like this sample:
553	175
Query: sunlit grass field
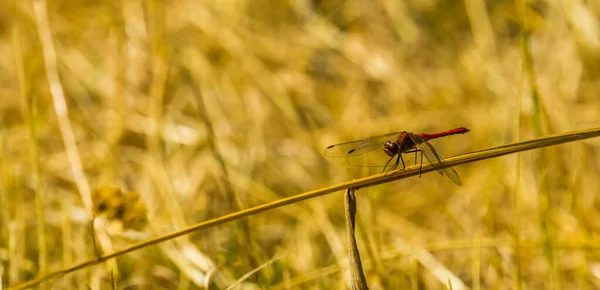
146	117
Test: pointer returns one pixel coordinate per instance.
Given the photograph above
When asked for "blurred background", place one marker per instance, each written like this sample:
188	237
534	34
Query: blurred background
162	114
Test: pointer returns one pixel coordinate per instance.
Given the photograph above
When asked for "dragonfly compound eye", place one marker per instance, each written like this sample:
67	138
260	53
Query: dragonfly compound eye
391	148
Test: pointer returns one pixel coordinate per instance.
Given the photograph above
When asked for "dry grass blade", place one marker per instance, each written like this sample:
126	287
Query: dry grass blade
243	278
359	281
362	182
438	269
29	113
60	104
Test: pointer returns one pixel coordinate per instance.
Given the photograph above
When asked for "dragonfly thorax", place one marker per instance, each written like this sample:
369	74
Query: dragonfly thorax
404	142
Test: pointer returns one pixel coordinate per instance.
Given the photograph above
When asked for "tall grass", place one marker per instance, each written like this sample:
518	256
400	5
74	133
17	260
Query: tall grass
207	108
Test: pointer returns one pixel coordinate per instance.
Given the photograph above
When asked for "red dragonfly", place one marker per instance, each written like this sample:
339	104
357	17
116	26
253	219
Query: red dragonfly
379	151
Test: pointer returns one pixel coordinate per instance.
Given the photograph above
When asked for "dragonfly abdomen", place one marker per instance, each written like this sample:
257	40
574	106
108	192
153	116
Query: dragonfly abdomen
460	130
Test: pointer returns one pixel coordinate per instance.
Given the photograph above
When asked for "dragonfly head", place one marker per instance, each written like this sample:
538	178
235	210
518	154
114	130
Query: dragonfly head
391	148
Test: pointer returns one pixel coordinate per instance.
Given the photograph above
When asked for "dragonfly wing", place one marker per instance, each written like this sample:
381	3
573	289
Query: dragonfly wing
453	175
367	152
435	160
341	150
374	158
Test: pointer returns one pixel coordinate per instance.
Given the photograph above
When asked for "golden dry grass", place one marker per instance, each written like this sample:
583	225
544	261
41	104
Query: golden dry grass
208	108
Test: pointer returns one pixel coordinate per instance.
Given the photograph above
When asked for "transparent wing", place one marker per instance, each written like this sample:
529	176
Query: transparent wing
341	150
366	152
360	146
373	158
434	158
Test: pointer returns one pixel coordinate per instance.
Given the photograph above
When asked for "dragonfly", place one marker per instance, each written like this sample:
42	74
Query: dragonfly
386	151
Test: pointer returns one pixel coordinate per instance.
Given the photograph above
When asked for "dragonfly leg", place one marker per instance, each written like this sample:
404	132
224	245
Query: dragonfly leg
395	164
400	159
386	165
416	158
421	167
